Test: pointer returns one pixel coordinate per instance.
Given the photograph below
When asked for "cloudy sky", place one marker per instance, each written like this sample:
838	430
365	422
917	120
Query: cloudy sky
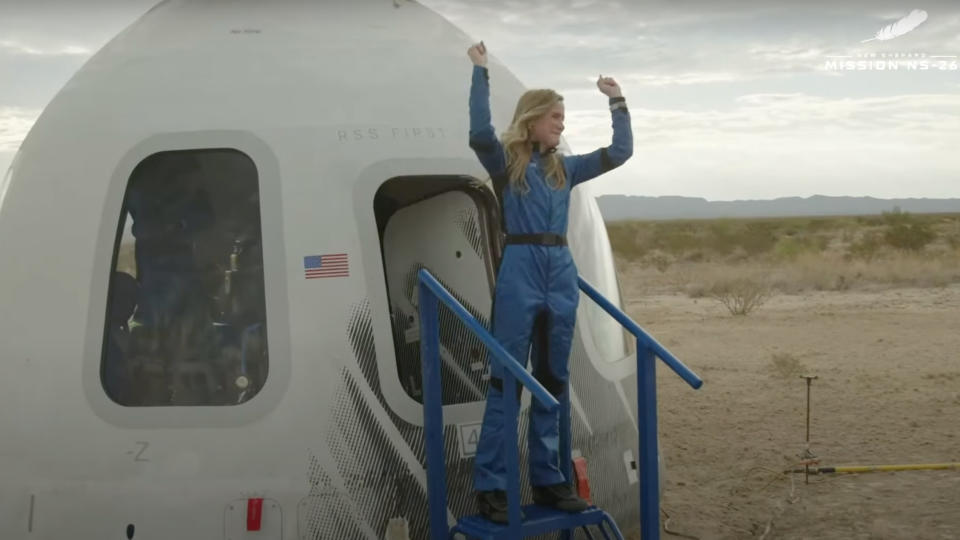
729	99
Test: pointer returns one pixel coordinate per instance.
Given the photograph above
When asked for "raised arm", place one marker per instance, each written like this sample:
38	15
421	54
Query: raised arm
588	166
483	138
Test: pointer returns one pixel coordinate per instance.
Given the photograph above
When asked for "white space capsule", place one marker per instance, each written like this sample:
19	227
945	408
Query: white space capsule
209	244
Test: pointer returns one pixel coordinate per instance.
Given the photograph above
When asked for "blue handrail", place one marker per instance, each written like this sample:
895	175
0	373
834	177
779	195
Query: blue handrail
499	353
429	294
647	351
648	341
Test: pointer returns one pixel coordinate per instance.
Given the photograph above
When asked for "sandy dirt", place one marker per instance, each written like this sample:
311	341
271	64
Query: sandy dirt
888	362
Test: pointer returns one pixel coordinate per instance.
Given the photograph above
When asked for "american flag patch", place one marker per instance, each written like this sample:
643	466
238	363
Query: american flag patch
322	266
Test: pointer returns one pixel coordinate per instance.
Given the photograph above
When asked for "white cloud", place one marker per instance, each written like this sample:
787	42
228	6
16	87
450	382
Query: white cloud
788	132
779	137
930	115
795	51
774	145
669	79
16	47
15	123
76	50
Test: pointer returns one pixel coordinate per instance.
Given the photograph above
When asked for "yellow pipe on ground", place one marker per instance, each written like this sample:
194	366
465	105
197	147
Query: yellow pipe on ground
878	468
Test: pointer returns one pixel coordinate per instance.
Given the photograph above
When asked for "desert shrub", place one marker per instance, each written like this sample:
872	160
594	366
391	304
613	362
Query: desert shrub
721	239
953	241
738	256
821	224
790	247
906	231
907	234
786	366
676	241
696	290
848	234
658	259
741	295
870	221
842	283
695	256
758	237
849	253
896	216
866	247
626	239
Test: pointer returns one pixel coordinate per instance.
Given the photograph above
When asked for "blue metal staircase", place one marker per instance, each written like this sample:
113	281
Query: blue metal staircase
537	520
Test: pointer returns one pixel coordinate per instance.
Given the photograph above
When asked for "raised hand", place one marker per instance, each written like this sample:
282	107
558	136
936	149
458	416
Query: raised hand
608	86
478	54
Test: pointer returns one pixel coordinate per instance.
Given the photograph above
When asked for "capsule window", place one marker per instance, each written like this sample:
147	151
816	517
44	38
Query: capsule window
186	316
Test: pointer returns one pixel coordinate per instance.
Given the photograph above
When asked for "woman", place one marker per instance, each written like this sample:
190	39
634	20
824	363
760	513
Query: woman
535	302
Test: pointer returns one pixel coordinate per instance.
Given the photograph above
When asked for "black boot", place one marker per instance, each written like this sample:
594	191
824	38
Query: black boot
559	496
493	506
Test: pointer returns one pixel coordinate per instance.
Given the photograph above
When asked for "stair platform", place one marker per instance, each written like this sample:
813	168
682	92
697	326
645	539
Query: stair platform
538	520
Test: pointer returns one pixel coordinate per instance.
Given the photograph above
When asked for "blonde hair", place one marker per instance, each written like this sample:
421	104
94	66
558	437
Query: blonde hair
517	144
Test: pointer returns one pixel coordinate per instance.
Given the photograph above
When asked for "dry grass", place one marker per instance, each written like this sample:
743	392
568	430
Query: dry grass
810	272
741	295
888	381
786	366
790	255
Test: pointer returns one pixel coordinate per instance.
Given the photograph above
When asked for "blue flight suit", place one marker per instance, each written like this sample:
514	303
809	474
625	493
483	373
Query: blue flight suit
536	295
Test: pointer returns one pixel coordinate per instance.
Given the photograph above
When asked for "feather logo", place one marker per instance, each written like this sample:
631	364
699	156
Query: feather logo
901	27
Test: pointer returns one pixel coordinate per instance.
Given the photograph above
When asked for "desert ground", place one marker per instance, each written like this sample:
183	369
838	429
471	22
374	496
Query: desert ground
885	352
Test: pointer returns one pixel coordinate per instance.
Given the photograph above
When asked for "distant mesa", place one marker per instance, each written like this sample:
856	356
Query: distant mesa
620	207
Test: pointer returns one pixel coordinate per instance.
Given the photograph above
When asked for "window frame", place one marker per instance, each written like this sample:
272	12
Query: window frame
125	224
275	287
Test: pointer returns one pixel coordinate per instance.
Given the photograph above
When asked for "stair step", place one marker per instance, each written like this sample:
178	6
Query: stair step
539	520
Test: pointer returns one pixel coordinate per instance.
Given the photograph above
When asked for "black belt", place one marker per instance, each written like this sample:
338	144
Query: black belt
543	239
